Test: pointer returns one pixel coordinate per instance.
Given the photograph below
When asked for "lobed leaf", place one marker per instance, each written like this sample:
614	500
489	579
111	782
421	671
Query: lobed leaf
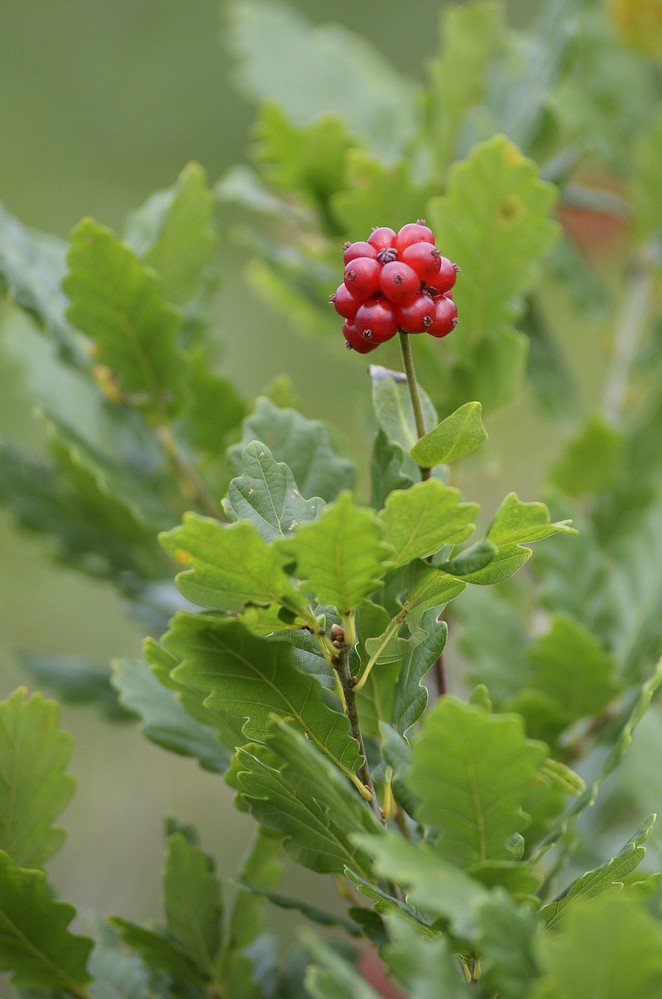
266	495
460	433
34	789
393	408
386	470
192	901
256	679
158	952
342	556
427	969
423	650
495	224
472	772
118	303
293	788
303	445
76	680
35	943
507	936
423	519
229	566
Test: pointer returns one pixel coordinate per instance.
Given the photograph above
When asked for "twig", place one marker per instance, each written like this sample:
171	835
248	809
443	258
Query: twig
346	680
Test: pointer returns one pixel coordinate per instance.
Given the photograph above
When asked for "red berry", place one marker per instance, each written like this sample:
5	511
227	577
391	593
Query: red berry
416	315
377	320
362	277
413	232
446	277
398	281
344	302
361	249
382	238
355	340
445	316
424	259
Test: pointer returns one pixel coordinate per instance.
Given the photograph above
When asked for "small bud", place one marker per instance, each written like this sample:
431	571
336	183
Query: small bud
337	633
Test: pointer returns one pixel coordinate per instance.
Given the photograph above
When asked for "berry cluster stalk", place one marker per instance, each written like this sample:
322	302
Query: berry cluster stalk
414	394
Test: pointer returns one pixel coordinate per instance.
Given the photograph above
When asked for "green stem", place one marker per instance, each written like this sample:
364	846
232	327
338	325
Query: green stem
414	394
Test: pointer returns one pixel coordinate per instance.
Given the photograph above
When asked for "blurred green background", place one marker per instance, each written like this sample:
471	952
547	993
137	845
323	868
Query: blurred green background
102	102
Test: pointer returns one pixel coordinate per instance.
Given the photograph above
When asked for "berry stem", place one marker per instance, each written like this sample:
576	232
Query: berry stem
414	394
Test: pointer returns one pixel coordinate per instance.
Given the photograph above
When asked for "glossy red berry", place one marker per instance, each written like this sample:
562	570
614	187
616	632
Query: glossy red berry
362	277
445	278
359	249
355	340
445	317
376	320
413	232
382	238
424	258
417	314
398	281
344	302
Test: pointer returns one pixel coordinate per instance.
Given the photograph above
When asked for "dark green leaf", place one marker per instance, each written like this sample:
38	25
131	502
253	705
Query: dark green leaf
423	650
304	445
261	872
460	433
294	789
256	679
166	720
117	302
474	800
387	469
192	901
423	519
507	939
158	952
34	788
35	944
267	495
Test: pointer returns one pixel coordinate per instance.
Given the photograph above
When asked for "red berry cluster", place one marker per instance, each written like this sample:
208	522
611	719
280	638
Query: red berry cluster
395	281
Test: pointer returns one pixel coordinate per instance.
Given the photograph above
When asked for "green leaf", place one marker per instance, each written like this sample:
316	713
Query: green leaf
114	971
377	191
423	650
513	523
230	566
332	976
341	557
506	941
386	470
294	789
35	944
158	952
423	519
304	445
76	680
494	641
256	678
117	301
491	371
393	408
628	941
267	495
431	883
460	433
625	726
495	224
475	798
605	878
590	461
554	672
173	233
647	184
472	37
32	266
165	719
34	788
192	901
261	871
427	969
346	76
425	587
210	393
